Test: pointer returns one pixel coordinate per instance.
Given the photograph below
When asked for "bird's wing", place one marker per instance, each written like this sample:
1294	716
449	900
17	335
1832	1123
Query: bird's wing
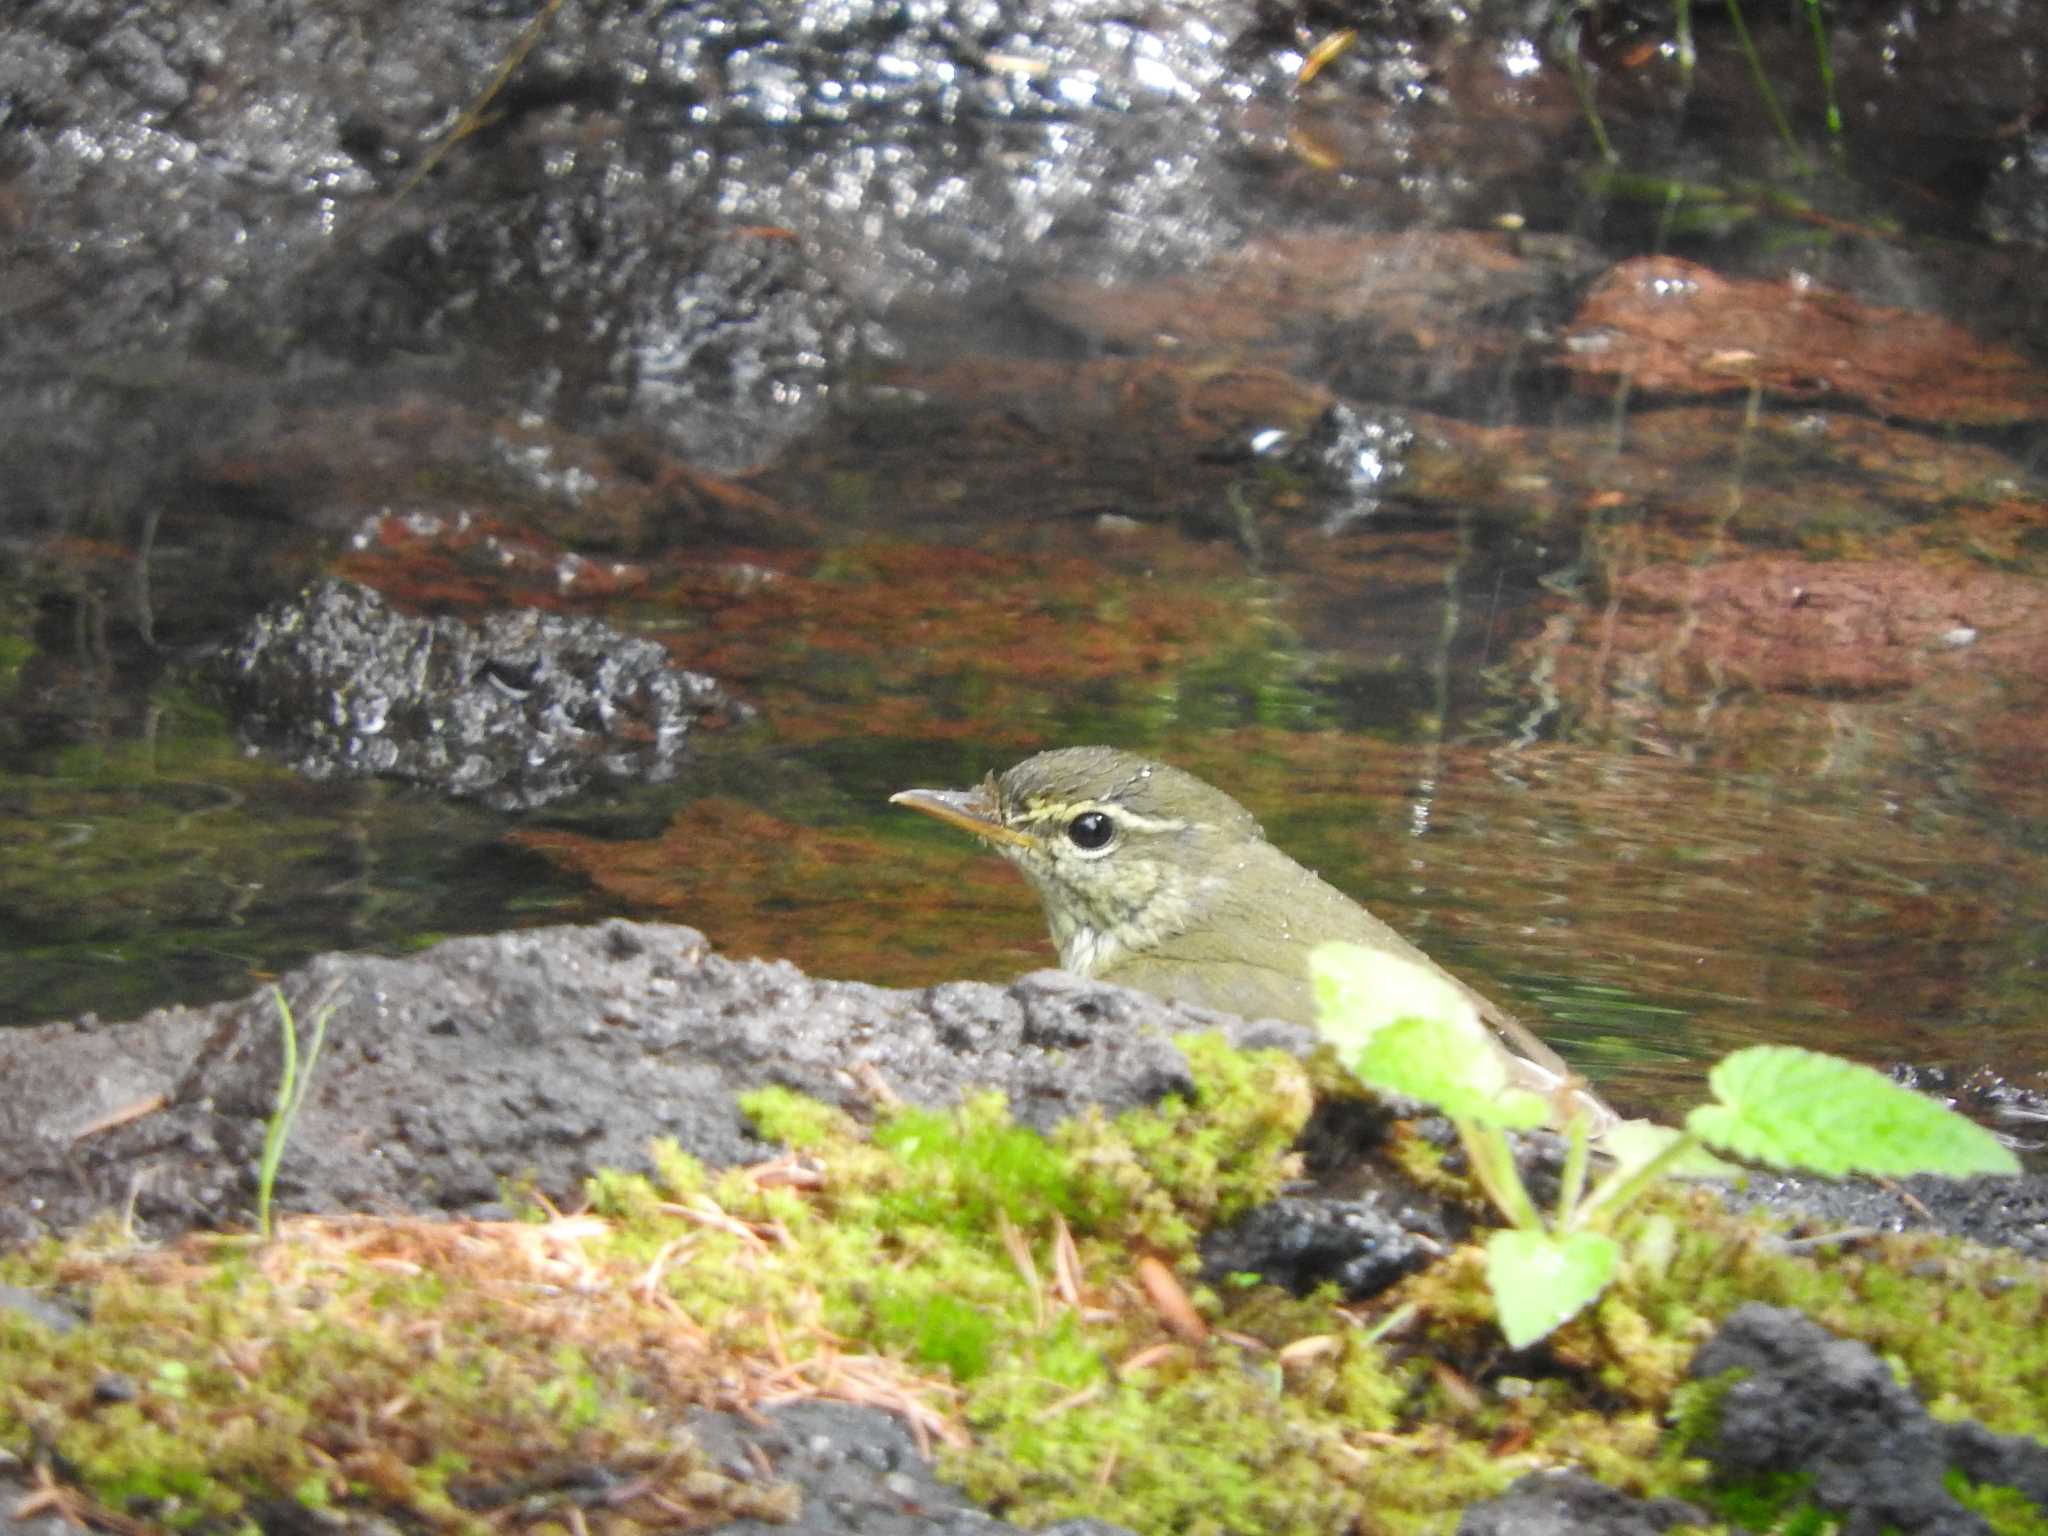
1315	911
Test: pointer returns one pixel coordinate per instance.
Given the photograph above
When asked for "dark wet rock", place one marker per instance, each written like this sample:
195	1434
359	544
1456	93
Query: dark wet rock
115	1387
1808	1404
2007	1213
1569	1503
1342	1137
722	339
1357	1245
687	221
1354	459
2017	1108
520	710
548	1054
2015	205
858	1470
540	1056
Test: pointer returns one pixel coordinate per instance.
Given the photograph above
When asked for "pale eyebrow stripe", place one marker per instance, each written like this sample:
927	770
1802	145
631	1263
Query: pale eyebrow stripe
1123	814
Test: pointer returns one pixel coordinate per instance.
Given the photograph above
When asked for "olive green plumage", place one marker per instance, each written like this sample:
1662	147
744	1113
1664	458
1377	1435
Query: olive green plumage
1155	880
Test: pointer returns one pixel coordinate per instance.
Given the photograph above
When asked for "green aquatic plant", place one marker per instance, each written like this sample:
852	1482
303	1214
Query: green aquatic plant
1567	21
1399	1027
1761	79
1825	63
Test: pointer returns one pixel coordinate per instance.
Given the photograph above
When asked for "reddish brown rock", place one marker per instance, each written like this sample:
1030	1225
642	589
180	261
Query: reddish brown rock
1676	327
1784	624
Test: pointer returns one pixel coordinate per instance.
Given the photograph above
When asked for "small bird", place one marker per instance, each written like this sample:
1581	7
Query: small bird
1154	880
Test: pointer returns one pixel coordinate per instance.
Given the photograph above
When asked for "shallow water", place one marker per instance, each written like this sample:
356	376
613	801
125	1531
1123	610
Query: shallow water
1678	678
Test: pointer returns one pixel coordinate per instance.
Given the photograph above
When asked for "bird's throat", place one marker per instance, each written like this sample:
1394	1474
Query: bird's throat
1095	929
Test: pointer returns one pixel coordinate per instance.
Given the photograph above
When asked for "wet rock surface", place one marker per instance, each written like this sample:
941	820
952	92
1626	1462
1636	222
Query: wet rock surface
692	219
539	1057
1566	1503
1359	1246
546	1054
689	219
860	1473
517	711
1353	460
2005	1213
1827	1409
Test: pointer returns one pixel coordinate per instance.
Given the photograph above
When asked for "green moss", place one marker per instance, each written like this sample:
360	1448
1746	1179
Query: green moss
1209	1447
322	1374
2006	1510
425	1368
628	1197
1173	1170
1778	1503
970	1166
783	1115
682	1176
941	1329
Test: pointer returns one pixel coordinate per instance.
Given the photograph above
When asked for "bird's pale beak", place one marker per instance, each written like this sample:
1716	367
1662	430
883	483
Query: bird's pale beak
973	810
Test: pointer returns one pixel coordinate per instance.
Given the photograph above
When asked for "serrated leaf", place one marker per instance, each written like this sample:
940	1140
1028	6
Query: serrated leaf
1791	1108
1541	1280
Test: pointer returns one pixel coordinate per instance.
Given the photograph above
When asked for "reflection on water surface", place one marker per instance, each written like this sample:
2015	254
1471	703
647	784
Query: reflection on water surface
1629	582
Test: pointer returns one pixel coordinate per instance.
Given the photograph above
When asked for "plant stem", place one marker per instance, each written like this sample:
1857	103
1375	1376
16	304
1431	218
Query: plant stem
1763	83
1618	1190
1827	68
1397	1318
1572	1182
1582	85
292	1083
1493	1166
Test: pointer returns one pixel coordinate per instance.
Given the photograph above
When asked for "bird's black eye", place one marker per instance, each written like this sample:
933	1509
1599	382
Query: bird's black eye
1091	830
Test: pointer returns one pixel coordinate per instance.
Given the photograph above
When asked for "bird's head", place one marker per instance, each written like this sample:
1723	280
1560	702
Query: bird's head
1124	852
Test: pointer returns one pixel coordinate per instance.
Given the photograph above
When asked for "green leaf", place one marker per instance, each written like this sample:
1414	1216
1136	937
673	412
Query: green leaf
1791	1108
1540	1280
1403	1027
